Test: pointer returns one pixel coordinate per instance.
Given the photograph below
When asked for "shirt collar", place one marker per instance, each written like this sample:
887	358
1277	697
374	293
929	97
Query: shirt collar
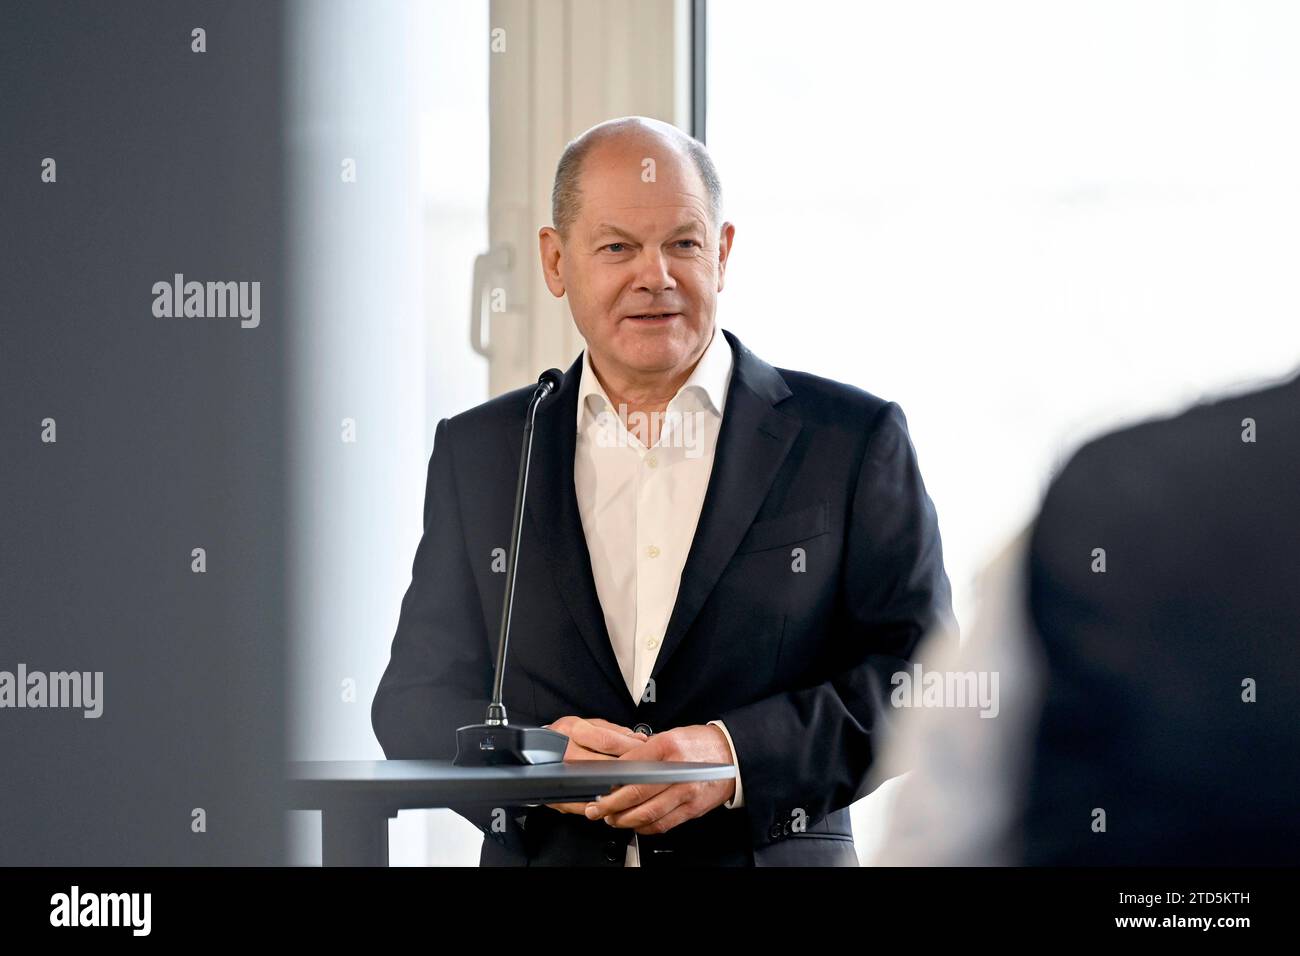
709	379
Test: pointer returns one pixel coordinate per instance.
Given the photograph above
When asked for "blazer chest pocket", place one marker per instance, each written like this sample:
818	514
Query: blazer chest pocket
787	528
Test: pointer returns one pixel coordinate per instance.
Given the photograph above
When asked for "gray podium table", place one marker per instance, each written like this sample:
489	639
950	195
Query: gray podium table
356	797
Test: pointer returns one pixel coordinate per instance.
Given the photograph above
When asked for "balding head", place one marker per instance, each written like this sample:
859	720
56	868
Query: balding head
654	138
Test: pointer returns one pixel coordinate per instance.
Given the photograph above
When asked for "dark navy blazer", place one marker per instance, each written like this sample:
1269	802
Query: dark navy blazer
793	649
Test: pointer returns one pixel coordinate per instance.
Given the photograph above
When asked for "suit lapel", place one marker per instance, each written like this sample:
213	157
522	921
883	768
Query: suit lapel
752	445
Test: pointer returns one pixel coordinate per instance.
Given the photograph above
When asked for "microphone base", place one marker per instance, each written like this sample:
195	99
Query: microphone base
494	745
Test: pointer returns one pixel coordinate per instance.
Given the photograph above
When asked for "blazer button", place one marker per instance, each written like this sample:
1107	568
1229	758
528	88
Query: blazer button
775	832
643	729
611	851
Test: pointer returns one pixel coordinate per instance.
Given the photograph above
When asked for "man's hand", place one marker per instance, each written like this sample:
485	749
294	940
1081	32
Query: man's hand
593	739
651	809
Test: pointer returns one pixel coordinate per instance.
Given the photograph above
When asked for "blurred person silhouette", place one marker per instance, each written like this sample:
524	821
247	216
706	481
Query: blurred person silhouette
1144	628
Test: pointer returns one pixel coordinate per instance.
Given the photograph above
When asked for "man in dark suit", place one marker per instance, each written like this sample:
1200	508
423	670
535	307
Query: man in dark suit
1164	584
745	604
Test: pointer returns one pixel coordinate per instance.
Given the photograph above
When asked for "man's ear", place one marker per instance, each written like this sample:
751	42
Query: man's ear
551	248
726	236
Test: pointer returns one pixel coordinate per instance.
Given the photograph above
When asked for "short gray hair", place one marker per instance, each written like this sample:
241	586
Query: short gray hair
566	195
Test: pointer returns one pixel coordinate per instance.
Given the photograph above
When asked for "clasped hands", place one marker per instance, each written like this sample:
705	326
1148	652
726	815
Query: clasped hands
648	809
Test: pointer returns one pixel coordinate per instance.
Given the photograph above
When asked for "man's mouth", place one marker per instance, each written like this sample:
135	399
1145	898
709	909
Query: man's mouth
655	316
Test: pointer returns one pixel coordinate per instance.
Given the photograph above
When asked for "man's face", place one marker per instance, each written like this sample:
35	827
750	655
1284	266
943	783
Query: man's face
641	267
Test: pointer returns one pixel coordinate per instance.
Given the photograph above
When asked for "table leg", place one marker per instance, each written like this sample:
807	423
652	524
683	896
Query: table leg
354	836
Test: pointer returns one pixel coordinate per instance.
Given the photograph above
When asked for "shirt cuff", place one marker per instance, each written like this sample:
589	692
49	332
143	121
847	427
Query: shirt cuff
738	800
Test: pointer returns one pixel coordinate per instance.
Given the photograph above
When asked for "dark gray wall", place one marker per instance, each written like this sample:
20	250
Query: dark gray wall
169	430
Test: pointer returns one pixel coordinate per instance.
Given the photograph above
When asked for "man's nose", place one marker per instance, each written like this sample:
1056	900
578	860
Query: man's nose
653	273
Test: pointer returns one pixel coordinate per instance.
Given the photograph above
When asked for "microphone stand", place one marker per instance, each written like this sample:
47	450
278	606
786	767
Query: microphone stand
496	741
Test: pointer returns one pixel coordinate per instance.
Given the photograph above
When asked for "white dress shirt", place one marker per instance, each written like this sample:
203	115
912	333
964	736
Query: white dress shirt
640	507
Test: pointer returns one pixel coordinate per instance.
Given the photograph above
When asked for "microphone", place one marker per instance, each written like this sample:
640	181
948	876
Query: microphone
496	741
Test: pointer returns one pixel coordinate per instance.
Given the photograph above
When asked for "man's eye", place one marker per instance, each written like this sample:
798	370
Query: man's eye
689	241
611	247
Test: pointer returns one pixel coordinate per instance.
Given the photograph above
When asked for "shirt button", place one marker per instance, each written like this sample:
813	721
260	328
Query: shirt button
652	551
652	461
652	642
